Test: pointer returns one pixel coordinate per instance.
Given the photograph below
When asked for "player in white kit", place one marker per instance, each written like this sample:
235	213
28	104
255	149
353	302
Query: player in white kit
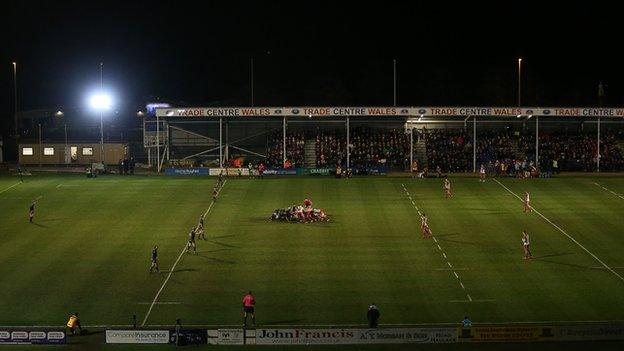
482	174
526	245
527	202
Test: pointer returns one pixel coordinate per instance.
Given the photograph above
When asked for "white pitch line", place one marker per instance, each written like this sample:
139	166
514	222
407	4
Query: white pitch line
16	184
462	285
611	191
564	233
160	303
434	238
469	298
451	269
149	311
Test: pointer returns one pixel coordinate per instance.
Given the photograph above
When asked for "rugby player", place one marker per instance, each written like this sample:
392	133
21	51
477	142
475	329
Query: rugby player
526	245
482	174
447	188
31	211
527	202
424	226
154	265
191	242
200	229
248	308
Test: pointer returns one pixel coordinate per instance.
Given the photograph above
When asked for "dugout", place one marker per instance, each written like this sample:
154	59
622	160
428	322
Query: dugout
213	134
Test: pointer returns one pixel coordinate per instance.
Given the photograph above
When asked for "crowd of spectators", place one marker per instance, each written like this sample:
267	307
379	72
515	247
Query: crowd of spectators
369	148
378	147
295	149
504	151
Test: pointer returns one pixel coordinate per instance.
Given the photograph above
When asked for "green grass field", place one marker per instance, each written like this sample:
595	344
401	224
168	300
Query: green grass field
89	251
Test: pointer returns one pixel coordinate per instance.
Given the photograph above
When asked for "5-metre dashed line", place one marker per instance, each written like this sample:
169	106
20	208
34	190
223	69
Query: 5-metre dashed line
440	248
564	233
149	311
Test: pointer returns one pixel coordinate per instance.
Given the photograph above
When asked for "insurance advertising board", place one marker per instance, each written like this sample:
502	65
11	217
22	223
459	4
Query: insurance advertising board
355	336
137	336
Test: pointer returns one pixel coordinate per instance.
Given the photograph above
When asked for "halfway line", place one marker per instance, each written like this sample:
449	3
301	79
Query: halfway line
564	233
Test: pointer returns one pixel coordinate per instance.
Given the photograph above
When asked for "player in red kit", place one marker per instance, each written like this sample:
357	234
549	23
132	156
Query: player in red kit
248	308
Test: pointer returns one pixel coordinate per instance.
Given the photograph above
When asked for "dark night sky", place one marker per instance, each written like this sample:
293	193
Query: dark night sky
311	52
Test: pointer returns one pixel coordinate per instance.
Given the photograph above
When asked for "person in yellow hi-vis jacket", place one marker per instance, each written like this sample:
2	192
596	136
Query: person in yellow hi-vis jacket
74	322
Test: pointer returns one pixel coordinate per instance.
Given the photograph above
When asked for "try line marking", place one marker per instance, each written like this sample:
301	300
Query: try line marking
564	233
609	190
149	311
16	184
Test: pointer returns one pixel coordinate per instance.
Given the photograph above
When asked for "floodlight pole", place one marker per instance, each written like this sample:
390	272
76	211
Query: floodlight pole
348	135
252	82
284	142
15	107
395	84
102	155
519	81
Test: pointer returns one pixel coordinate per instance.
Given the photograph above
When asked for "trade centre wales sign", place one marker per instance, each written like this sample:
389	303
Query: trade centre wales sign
316	112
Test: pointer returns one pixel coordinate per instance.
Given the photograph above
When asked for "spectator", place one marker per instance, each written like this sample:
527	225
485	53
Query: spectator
373	316
73	323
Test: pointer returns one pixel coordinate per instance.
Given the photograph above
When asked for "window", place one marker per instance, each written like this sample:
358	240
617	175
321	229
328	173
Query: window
87	151
48	151
27	151
74	152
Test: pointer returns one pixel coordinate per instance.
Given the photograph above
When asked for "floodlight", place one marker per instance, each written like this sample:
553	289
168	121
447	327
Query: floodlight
100	102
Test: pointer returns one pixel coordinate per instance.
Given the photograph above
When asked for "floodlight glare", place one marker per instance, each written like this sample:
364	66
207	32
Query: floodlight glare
100	102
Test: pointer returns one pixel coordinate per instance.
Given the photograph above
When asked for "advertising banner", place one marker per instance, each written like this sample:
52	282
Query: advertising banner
280	171
355	336
186	171
320	171
511	333
188	337
590	332
230	336
384	111
137	336
32	337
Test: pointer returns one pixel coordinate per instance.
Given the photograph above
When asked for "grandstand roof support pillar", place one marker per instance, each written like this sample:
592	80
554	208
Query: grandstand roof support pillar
348	141
537	142
157	144
284	142
598	147
474	145
220	142
168	141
